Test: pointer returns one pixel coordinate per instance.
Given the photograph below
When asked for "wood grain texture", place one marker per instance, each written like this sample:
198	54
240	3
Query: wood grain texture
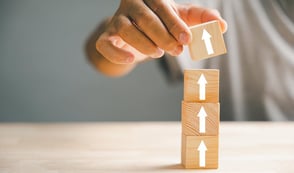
190	121
191	87
145	147
190	156
197	46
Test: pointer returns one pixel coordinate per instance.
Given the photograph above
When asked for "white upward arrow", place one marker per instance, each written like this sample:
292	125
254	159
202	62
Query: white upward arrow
202	115
206	37
202	151
202	85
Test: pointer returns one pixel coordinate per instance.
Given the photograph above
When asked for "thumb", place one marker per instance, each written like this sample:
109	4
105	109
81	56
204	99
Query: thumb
193	15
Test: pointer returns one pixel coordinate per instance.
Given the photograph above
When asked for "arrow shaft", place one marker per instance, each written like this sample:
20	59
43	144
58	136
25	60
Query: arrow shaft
202	158
202	92
208	46
202	124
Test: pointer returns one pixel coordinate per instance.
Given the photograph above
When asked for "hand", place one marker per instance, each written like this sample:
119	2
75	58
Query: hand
147	28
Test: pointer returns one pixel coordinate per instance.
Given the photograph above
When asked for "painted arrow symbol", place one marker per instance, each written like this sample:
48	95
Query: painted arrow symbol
202	85
202	151
206	37
202	115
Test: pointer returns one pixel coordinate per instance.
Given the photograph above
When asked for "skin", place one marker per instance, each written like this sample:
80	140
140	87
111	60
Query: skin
146	29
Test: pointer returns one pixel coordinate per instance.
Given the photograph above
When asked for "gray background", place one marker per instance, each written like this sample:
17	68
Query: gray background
44	75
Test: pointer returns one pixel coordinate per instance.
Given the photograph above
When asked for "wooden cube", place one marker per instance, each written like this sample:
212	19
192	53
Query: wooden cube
200	152
207	41
201	86
200	119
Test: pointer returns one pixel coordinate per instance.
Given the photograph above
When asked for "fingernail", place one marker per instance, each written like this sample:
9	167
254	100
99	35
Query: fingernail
184	38
129	60
177	51
159	53
216	12
224	26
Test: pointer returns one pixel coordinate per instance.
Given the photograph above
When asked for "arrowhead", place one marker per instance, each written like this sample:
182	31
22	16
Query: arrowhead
202	146
202	112
205	35
202	80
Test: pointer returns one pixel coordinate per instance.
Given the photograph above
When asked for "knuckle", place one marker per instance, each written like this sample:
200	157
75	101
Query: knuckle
152	23
156	5
150	50
121	24
142	18
174	27
170	45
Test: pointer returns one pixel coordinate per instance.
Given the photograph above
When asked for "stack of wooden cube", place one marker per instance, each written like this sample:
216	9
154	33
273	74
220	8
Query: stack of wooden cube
200	107
200	119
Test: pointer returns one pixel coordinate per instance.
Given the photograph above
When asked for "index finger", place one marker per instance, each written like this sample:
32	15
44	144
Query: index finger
173	23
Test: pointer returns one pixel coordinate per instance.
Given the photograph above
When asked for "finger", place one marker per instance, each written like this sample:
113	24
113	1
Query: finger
213	14
130	34
194	15
175	25
154	29
110	48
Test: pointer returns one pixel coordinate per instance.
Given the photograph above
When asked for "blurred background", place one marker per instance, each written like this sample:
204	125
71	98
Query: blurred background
45	76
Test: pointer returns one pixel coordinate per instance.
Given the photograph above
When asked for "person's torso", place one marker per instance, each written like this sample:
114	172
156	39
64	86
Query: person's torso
257	73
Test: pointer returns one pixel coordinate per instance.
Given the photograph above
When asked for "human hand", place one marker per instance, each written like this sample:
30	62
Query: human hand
147	28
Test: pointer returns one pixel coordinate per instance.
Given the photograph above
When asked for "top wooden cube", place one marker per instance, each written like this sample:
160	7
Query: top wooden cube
207	41
201	86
